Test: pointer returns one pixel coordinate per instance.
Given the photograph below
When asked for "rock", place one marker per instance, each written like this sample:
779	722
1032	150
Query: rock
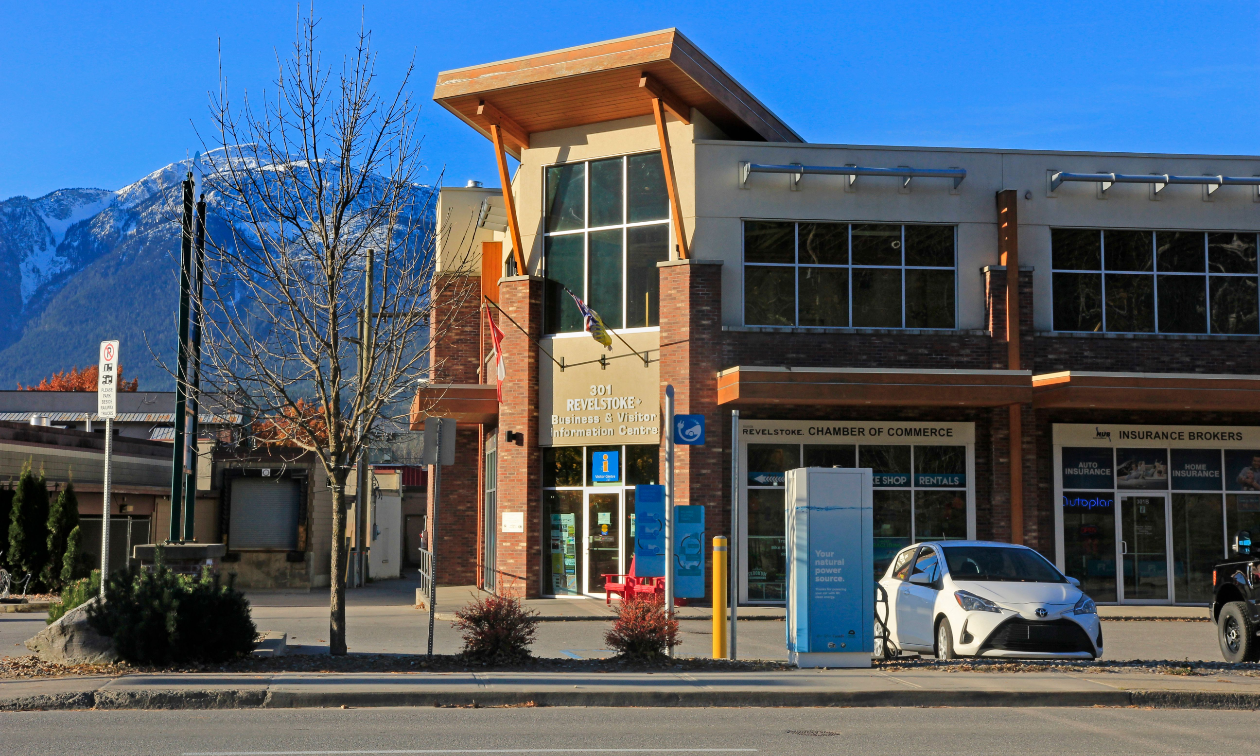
71	640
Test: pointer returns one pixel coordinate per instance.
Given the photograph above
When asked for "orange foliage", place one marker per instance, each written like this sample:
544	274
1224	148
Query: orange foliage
284	429
78	380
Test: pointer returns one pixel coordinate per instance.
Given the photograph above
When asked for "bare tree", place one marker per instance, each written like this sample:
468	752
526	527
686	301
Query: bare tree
304	187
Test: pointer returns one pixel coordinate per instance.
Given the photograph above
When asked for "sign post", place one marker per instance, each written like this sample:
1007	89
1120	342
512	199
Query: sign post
107	409
669	504
439	449
734	542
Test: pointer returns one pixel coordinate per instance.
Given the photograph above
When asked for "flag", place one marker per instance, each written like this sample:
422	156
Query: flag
496	336
592	323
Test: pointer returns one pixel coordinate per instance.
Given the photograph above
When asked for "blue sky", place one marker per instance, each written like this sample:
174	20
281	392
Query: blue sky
99	94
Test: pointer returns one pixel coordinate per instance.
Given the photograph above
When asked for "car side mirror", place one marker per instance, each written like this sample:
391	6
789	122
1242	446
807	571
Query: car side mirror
1242	543
1075	583
921	578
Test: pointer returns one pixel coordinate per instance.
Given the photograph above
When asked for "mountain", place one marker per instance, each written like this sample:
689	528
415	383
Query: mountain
79	266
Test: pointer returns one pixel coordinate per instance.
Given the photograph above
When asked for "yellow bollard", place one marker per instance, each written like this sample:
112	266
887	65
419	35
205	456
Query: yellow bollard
719	597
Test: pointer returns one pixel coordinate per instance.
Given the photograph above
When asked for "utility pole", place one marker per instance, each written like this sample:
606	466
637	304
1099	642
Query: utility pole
192	426
178	452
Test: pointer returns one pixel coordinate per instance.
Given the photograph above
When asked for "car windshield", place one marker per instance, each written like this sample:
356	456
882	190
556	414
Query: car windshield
1000	564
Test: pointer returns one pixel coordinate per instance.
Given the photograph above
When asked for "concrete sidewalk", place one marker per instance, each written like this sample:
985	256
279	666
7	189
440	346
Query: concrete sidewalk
666	688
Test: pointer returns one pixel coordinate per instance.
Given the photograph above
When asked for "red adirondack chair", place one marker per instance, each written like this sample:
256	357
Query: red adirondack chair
613	584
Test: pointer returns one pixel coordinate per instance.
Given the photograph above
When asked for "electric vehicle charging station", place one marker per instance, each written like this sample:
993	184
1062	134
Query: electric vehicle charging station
831	567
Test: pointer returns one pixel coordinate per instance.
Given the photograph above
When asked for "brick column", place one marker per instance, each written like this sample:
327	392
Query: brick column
455	325
691	338
518	559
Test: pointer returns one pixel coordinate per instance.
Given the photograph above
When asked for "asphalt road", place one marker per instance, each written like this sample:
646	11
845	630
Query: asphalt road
811	732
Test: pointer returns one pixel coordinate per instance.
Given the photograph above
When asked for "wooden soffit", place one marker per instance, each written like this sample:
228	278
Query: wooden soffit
601	82
465	403
862	387
1147	391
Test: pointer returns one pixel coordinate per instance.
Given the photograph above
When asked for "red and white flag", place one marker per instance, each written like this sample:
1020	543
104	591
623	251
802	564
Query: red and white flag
496	336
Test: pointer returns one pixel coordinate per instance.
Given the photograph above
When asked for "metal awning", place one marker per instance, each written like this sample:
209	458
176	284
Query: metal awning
465	403
1158	180
1072	389
797	171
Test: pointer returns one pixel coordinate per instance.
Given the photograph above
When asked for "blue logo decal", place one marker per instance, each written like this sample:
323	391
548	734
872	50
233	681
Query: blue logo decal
689	430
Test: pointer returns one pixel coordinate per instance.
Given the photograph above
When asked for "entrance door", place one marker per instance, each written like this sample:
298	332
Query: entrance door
603	539
1143	548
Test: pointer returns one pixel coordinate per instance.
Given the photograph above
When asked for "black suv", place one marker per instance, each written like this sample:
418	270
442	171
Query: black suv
1236	584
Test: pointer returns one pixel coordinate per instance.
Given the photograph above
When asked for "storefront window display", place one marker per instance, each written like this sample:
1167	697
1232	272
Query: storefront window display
922	490
1146	523
588	514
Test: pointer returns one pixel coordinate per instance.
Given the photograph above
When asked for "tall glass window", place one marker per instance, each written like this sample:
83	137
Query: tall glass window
842	275
1129	281
606	227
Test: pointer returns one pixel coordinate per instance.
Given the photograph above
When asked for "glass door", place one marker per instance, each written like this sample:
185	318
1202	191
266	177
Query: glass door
603	541
1143	548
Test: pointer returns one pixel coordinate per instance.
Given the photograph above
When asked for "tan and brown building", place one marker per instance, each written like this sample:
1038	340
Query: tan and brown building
1051	348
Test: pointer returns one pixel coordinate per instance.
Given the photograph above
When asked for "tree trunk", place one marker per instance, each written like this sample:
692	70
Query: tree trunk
337	588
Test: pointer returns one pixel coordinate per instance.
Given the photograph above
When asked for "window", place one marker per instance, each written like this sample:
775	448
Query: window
606	228
848	275
1126	281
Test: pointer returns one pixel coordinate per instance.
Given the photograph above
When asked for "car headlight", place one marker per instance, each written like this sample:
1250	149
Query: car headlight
1085	606
970	602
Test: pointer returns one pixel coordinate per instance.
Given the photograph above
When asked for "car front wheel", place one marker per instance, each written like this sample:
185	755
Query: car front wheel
1236	634
945	641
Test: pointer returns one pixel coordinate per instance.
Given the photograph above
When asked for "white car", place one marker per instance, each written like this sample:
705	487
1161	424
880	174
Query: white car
982	598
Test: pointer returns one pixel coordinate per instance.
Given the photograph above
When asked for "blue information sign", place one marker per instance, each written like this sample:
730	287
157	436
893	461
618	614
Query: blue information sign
649	531
689	551
689	430
605	467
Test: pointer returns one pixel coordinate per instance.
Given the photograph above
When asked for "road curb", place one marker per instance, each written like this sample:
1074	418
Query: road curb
282	699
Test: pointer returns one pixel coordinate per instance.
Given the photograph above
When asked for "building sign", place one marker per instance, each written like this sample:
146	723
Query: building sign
1195	470
1087	468
606	467
1089	502
689	551
599	398
649	531
1174	436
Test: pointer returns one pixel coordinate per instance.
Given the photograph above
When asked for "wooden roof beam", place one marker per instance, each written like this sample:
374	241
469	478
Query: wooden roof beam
512	131
672	102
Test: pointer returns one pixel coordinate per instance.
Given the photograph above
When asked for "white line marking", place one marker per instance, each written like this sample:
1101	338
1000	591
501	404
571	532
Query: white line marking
473	750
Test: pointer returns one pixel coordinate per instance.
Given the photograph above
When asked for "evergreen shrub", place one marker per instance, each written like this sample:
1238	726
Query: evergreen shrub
75	564
159	617
496	630
28	529
63	518
642	630
76	593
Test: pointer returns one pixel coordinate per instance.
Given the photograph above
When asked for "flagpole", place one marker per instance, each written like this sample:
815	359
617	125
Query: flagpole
646	362
522	330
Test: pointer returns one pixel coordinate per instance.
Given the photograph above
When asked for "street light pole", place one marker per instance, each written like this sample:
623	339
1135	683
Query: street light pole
669	504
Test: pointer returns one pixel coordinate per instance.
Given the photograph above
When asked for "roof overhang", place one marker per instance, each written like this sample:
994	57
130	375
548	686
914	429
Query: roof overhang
1147	391
872	387
602	82
465	403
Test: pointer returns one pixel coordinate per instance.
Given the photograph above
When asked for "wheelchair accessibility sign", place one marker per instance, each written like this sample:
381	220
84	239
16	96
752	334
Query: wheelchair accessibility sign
689	430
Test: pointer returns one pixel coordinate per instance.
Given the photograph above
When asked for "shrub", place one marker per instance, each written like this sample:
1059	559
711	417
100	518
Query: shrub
63	518
642	630
75	564
75	593
28	528
159	617
496	630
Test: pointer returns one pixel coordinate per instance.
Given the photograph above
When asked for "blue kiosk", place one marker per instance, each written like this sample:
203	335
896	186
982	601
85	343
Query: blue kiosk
830	566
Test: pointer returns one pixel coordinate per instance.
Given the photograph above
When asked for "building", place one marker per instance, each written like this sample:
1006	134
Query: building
1051	348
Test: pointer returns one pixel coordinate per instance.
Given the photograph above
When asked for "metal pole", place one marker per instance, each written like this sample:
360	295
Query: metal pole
109	452
194	373
734	544
720	553
365	369
669	503
433	528
181	358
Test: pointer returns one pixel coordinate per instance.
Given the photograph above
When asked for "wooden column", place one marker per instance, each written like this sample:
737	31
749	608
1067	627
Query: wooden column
502	127
1008	247
663	99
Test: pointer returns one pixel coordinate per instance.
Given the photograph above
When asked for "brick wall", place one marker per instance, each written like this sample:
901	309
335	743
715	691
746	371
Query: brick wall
455	325
459	510
691	337
1124	353
519	555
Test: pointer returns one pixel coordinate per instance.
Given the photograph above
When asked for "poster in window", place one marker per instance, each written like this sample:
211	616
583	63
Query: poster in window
1195	469
1242	470
563	553
1087	467
1142	469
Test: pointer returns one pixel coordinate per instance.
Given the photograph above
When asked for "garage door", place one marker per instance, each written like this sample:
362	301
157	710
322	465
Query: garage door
264	514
